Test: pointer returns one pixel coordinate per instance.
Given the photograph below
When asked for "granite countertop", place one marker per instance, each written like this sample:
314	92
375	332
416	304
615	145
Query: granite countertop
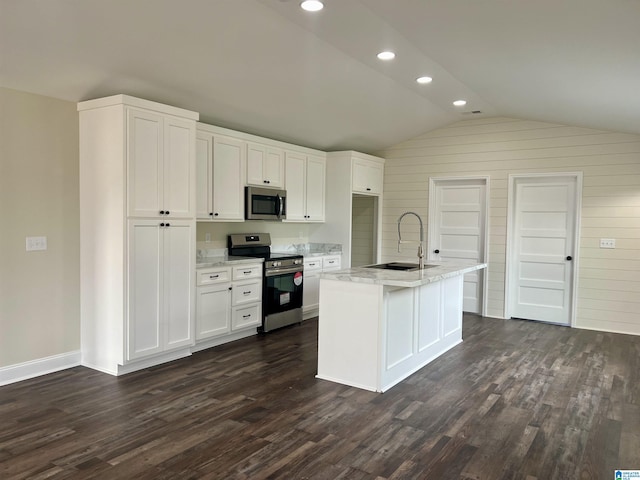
310	249
375	276
225	260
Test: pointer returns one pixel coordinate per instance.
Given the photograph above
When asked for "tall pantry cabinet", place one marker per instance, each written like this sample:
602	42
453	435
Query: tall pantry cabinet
137	233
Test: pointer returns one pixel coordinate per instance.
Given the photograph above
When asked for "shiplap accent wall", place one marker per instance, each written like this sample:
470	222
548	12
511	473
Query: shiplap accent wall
608	280
362	232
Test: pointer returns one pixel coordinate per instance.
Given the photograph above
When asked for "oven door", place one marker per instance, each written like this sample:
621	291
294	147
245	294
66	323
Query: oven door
283	289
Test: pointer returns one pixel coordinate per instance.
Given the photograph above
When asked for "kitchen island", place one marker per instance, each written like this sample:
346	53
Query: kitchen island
376	326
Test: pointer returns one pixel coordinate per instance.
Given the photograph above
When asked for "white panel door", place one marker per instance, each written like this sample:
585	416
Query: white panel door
144	333
457	232
315	186
229	159
544	219
204	176
144	163
179	164
295	178
178	283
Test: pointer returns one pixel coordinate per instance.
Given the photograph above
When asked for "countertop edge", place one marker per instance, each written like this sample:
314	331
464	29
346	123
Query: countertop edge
400	279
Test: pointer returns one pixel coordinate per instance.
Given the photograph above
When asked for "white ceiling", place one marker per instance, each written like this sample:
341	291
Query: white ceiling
269	68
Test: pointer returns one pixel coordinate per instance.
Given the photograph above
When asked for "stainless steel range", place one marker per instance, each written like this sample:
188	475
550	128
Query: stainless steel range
282	279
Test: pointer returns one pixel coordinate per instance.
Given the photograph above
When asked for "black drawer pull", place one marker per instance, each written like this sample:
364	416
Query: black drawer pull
214	276
246	316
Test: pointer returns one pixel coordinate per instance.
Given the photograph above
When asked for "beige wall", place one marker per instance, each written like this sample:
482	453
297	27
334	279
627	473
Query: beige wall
39	291
608	280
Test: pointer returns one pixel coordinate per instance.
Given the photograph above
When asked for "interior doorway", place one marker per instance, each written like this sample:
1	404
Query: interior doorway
458	230
542	246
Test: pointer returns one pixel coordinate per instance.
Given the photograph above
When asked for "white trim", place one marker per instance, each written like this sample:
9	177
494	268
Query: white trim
431	219
39	366
573	308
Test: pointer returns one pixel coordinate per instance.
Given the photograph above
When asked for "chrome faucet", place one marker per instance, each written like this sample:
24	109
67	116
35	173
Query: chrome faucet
400	241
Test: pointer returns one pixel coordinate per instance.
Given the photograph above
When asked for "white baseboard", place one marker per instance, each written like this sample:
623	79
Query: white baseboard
40	366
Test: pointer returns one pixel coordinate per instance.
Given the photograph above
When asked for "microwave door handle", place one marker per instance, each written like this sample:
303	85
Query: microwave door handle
279	206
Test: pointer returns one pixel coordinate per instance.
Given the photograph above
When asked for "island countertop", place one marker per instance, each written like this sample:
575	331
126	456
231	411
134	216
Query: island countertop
375	276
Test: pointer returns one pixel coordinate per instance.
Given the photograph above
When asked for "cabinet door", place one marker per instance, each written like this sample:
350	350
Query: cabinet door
311	291
256	156
179	167
213	308
315	189
229	157
204	176
367	177
295	179
274	167
143	321
178	283
144	163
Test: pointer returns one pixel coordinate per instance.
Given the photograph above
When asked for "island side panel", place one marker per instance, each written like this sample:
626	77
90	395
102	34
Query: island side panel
349	333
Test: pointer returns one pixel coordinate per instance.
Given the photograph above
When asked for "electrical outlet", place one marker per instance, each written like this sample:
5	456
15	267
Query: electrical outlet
607	243
36	243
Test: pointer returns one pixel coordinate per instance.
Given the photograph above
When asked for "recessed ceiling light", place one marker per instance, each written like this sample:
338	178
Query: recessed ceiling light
424	80
460	103
312	5
386	55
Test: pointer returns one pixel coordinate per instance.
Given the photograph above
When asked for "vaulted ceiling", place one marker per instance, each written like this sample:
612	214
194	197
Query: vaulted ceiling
268	67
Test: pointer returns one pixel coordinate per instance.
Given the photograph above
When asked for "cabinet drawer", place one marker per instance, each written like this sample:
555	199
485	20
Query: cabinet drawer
331	263
249	292
210	276
247	271
311	265
249	316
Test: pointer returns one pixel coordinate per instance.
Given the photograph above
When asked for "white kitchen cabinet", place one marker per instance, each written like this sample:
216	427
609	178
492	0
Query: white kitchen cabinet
229	303
161	287
220	179
160	166
313	267
305	186
213	303
367	176
137	233
265	166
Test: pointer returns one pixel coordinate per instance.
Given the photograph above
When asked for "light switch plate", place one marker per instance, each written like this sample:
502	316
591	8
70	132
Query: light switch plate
607	243
36	243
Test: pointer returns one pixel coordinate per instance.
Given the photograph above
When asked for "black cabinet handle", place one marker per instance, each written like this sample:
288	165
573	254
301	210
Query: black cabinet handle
229	288
569	257
211	214
168	224
368	189
161	212
162	224
215	214
167	212
246	316
436	251
246	293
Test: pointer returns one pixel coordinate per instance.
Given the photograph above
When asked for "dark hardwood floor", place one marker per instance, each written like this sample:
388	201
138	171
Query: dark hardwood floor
517	400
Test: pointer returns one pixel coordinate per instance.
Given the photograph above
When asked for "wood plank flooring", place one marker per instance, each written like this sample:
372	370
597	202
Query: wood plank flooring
516	400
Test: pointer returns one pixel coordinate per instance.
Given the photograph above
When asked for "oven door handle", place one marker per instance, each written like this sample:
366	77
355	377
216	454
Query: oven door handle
272	272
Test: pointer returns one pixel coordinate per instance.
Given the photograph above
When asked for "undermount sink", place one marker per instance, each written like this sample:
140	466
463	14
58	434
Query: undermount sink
404	267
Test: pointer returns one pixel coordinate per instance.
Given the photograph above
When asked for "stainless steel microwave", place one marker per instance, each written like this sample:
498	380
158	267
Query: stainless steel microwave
265	204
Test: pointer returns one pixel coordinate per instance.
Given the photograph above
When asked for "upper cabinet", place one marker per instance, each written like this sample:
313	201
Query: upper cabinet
220	165
367	176
265	166
305	186
160	163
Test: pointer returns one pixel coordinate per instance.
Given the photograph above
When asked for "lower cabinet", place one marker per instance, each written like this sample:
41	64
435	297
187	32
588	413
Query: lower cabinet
313	267
159	301
228	303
